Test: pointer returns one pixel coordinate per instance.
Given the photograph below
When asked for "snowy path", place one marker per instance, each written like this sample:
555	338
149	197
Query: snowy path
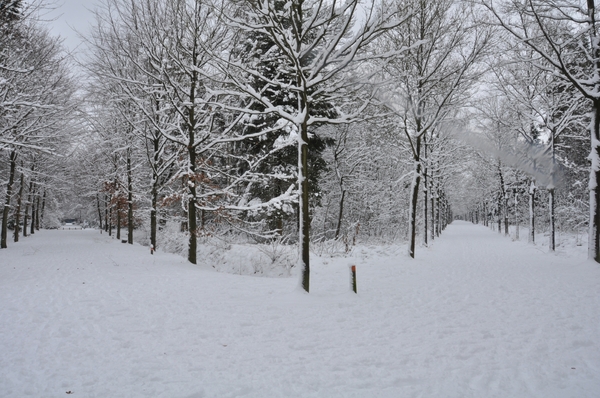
476	315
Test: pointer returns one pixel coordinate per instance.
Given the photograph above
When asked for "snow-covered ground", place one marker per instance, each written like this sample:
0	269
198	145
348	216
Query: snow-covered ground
475	315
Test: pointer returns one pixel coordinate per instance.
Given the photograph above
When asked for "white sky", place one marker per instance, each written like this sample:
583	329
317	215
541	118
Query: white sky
71	16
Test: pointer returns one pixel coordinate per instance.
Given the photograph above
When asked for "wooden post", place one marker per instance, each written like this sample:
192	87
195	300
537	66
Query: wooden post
353	278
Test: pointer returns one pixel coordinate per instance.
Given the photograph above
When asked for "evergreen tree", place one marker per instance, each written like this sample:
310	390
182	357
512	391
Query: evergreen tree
280	170
10	11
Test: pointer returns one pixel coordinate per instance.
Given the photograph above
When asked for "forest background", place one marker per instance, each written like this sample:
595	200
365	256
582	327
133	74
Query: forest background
303	125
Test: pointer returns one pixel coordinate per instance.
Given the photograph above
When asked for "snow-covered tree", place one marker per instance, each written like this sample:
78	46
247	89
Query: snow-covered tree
35	95
432	81
564	35
316	42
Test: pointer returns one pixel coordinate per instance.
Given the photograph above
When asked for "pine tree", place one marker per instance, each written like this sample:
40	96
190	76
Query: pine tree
10	11
280	171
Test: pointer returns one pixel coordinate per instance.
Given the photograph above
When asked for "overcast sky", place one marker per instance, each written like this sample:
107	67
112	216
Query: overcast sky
72	15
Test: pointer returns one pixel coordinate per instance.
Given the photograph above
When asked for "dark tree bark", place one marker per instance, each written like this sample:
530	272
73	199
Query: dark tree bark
192	227
117	205
43	208
99	211
154	193
340	215
516	215
32	201
129	199
107	213
485	215
412	229
118	212
432	194
37	212
439	215
28	202
9	188
551	204
552	243
33	196
506	214
18	209
26	212
153	223
110	215
594	234
425	194
304	214
532	190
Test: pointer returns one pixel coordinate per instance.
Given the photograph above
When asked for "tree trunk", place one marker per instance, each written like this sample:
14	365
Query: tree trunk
425	194
516	216
99	211
303	208
107	221
110	215
502	201
340	215
506	214
203	212
117	206
532	189
26	212
129	199
33	196
5	211
425	211
552	243
433	194
29	203
18	210
499	215
304	216
439	213
153	221
594	221
191	182
485	215
192	227
37	212
118	211
412	217
43	208
154	190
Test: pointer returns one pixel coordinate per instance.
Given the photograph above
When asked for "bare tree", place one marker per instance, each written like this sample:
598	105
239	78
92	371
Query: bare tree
564	35
431	82
36	93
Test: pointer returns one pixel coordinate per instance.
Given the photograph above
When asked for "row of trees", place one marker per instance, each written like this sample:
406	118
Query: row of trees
35	106
246	113
544	86
308	120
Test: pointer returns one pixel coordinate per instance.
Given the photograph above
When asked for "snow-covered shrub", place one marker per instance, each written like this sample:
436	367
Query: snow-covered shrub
53	215
273	259
281	255
170	239
333	247
230	253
